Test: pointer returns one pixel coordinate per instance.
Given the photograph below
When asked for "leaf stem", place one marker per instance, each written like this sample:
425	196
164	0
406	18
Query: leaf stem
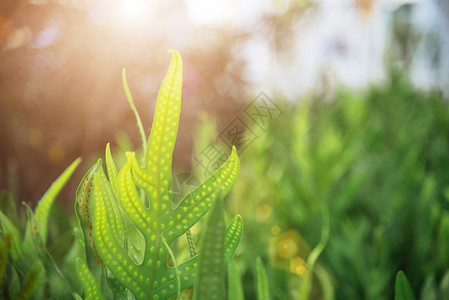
136	113
178	280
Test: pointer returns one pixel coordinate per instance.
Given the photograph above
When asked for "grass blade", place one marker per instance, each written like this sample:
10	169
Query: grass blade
235	288
133	108
403	290
44	205
9	228
31	282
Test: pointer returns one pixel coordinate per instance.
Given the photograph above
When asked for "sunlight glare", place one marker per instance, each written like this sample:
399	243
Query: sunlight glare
133	13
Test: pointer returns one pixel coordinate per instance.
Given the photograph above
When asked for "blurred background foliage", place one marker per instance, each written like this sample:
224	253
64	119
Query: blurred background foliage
356	146
372	168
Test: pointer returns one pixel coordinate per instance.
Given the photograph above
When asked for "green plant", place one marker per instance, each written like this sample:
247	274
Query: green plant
129	220
403	290
263	292
377	163
27	267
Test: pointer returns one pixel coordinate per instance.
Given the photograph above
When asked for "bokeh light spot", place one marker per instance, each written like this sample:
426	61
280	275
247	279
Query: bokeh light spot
298	266
56	153
275	230
264	212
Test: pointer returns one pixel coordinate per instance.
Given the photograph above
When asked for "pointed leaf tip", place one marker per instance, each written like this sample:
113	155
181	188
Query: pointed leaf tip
174	52
44	205
403	290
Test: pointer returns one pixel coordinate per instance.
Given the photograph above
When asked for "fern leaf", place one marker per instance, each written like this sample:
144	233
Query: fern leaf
262	290
233	235
111	168
118	215
84	212
235	288
90	286
211	272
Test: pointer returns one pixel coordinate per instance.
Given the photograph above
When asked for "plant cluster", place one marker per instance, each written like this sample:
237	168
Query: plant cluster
343	193
350	191
128	224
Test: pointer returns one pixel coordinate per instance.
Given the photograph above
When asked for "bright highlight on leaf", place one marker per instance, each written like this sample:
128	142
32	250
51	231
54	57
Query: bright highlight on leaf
127	242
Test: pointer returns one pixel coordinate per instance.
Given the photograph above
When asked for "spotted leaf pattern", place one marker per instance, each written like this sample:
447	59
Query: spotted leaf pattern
128	217
90	286
211	274
84	213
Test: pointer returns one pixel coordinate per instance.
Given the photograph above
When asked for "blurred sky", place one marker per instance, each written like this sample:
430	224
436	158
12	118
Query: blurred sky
346	41
61	62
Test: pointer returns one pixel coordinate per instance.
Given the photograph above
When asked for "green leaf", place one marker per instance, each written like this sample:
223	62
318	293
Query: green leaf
110	248
44	205
112	170
165	127
111	205
235	288
77	297
10	229
211	272
32	242
233	235
444	286
133	108
5	246
306	284
36	250
84	212
31	281
8	206
90	286
13	284
262	290
403	290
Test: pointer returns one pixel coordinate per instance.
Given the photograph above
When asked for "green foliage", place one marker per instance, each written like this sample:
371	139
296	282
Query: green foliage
235	287
379	162
403	290
26	265
129	220
211	272
91	288
31	281
44	205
